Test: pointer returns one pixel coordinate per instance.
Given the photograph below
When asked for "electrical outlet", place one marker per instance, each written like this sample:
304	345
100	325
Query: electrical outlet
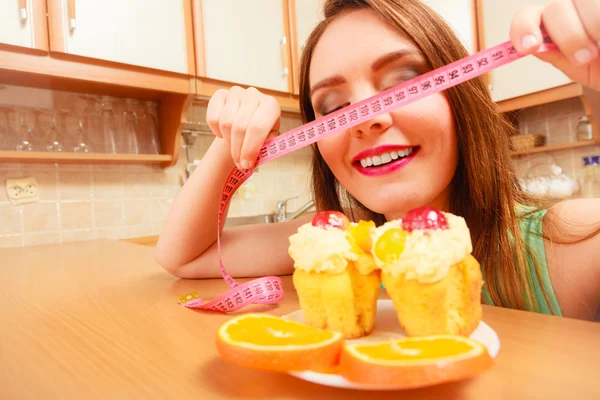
21	191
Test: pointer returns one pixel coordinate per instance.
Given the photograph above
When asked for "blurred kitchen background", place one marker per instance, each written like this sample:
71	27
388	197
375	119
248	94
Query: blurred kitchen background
106	112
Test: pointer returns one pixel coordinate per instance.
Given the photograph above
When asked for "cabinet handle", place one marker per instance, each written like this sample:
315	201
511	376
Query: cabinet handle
72	15
286	70
23	10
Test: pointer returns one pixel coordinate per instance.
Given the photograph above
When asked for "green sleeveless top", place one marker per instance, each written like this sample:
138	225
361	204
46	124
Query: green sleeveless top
530	227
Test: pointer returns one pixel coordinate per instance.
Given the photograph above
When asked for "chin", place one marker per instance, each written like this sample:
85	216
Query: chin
394	203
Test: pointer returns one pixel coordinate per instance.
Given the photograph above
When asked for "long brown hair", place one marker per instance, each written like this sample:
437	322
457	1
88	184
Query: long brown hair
484	190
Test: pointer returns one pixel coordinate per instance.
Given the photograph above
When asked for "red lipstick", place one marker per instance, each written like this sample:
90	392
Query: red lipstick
388	167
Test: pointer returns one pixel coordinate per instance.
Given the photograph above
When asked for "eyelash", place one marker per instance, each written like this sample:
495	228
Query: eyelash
402	77
335	109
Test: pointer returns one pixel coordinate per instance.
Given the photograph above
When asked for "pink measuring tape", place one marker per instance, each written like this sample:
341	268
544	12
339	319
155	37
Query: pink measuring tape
269	290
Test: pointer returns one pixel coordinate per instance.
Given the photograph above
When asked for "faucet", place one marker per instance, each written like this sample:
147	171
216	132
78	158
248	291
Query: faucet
282	214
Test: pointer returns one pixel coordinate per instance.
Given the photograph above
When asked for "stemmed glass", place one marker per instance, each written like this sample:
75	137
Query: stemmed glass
22	131
49	121
92	122
75	127
81	140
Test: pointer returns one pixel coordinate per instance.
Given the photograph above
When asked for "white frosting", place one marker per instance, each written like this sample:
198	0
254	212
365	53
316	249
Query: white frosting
428	254
315	249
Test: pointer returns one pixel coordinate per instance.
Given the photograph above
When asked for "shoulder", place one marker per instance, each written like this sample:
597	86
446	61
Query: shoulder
572	228
576	214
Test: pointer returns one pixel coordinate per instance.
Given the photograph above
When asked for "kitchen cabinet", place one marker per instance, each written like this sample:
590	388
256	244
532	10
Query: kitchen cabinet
522	77
460	15
304	17
24	24
244	42
307	15
154	34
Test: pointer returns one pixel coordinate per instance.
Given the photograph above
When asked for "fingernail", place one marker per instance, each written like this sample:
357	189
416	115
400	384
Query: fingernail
245	164
528	42
583	56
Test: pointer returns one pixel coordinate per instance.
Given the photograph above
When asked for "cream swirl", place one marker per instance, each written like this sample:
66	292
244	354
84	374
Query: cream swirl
315	249
428	254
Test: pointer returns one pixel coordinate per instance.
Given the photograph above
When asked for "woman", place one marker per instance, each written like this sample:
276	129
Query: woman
452	146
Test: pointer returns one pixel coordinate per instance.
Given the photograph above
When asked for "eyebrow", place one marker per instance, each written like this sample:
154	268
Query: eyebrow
378	64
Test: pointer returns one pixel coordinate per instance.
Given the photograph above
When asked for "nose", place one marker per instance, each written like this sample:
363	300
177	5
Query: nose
374	126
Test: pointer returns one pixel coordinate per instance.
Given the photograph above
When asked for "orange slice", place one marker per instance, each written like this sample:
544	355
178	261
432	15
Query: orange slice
266	342
415	361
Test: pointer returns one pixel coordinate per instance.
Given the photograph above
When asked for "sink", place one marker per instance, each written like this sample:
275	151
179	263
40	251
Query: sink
250	220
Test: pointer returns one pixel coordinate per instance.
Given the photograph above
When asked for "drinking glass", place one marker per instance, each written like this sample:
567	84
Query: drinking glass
149	129
21	130
131	128
108	125
50	125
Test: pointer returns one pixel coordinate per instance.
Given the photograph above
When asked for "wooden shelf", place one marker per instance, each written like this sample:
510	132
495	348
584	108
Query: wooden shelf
83	158
554	147
79	74
569	91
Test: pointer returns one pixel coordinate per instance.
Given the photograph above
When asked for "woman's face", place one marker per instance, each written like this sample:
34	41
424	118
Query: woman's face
396	161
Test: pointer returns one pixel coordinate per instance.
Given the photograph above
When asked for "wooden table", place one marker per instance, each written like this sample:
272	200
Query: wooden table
100	320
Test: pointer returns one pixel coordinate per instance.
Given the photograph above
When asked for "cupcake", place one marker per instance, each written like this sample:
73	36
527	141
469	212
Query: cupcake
429	272
335	275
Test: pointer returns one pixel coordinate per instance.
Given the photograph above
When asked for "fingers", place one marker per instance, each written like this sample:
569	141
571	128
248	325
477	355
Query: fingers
250	100
589	14
213	111
564	26
229	112
525	31
244	118
264	124
572	24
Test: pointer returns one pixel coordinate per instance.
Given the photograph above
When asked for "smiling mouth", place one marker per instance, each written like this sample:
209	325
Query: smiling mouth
385	162
386	158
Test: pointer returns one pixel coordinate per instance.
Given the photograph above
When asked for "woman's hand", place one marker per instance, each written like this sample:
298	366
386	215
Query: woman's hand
574	26
245	118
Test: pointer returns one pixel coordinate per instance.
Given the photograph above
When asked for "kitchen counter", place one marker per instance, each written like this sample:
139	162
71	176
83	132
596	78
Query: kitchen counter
100	320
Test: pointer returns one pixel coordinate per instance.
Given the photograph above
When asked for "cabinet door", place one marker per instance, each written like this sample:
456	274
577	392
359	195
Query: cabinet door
460	15
305	15
147	33
525	76
308	15
245	42
23	23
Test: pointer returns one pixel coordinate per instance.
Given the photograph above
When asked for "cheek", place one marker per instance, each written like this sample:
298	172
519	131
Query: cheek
333	149
430	123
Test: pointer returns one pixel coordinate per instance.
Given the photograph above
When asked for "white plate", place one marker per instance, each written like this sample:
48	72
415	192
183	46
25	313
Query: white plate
386	327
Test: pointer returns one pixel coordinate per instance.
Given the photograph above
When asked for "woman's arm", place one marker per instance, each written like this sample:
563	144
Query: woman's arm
575	268
241	119
247	251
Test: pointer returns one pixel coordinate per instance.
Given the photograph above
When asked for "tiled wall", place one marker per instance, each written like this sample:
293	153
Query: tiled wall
279	179
83	202
86	202
557	122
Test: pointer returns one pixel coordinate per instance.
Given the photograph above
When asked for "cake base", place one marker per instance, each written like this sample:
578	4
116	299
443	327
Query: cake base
345	302
449	306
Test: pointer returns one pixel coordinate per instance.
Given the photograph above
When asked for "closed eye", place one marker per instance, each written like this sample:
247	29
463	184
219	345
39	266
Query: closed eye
335	109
